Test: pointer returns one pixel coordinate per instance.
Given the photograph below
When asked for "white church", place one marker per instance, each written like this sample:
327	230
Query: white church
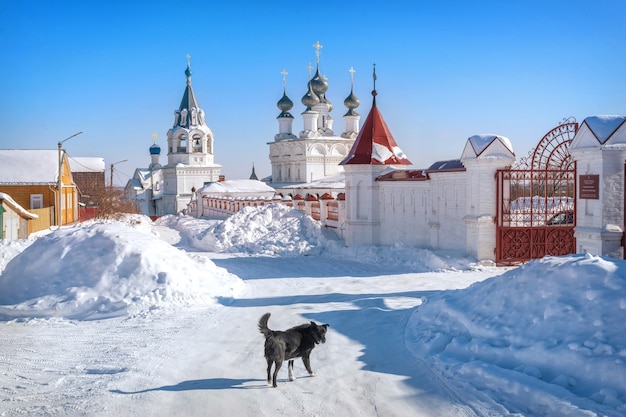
159	190
308	162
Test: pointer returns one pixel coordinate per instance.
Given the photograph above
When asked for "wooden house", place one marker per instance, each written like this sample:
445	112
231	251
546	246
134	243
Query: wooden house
30	177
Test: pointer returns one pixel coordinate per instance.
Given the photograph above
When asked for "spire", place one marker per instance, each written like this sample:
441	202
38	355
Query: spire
188	102
374	92
375	144
253	175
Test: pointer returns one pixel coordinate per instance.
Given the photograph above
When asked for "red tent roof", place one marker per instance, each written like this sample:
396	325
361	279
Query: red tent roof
375	144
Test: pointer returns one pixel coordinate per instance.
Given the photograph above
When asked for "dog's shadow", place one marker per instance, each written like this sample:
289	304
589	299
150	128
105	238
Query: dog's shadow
204	384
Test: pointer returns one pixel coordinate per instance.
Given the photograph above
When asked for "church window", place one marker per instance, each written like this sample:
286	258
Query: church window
197	143
182	144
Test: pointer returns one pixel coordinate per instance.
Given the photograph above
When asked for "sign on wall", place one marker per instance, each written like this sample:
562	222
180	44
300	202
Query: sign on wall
589	187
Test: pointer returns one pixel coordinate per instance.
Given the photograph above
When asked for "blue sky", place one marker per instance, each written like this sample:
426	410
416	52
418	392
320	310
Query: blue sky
446	70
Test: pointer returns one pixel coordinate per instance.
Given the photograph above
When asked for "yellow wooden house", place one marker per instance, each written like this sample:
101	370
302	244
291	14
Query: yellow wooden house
30	177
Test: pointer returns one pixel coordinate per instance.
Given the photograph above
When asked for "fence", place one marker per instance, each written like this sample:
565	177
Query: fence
326	209
45	218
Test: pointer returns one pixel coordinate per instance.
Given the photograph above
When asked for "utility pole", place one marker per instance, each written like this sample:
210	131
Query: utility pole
112	165
59	210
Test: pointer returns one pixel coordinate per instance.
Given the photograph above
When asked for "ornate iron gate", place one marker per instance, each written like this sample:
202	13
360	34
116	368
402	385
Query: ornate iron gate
536	201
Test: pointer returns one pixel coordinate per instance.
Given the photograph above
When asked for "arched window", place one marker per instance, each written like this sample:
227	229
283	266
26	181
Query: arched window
197	143
182	144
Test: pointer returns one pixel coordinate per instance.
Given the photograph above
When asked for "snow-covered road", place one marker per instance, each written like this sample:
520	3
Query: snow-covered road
209	361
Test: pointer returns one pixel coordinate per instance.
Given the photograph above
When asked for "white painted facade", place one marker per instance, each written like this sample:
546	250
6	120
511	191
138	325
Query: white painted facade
599	148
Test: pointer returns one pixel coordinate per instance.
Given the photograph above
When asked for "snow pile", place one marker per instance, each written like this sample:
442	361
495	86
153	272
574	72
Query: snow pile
554	326
274	229
107	269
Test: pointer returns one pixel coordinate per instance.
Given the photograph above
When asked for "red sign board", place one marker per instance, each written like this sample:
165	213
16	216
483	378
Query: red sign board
589	187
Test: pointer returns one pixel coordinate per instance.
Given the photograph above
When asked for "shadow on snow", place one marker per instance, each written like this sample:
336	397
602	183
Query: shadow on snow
203	384
266	267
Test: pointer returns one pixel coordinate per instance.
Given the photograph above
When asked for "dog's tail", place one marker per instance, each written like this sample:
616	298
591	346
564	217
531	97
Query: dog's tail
263	325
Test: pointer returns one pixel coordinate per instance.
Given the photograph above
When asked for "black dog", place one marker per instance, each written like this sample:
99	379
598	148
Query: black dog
285	345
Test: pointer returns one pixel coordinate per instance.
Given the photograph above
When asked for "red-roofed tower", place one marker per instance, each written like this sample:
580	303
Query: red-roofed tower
374	151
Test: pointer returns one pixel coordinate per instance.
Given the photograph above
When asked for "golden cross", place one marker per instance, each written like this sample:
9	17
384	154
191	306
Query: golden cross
310	68
187	56
284	73
352	71
317	47
154	136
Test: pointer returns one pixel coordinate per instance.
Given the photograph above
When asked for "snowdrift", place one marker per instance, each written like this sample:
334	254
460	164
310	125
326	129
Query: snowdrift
107	269
274	229
556	321
279	230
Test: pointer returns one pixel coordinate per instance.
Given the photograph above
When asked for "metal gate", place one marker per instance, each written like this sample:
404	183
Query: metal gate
536	201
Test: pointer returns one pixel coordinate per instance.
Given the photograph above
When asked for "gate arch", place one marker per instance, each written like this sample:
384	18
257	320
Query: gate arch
536	200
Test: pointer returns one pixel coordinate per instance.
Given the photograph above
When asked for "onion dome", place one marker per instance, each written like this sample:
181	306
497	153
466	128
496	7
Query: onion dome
351	102
284	105
188	71
319	84
310	99
155	149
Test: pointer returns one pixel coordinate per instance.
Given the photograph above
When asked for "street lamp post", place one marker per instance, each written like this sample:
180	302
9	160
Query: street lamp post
60	179
112	165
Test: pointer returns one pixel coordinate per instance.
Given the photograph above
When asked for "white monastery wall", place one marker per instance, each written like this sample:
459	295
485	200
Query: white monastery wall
424	213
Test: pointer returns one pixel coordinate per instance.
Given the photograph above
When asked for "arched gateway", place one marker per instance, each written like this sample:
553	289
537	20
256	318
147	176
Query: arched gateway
536	201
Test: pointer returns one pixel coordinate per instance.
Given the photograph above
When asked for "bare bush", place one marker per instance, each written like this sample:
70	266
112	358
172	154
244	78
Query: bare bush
111	202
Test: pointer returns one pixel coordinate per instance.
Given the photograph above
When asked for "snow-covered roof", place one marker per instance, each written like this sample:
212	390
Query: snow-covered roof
481	142
452	164
375	144
337	181
29	166
403	175
488	146
4	197
86	164
135	183
604	126
236	187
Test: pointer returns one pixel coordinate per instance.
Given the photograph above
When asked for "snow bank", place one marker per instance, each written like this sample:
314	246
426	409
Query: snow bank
107	269
274	229
533	334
